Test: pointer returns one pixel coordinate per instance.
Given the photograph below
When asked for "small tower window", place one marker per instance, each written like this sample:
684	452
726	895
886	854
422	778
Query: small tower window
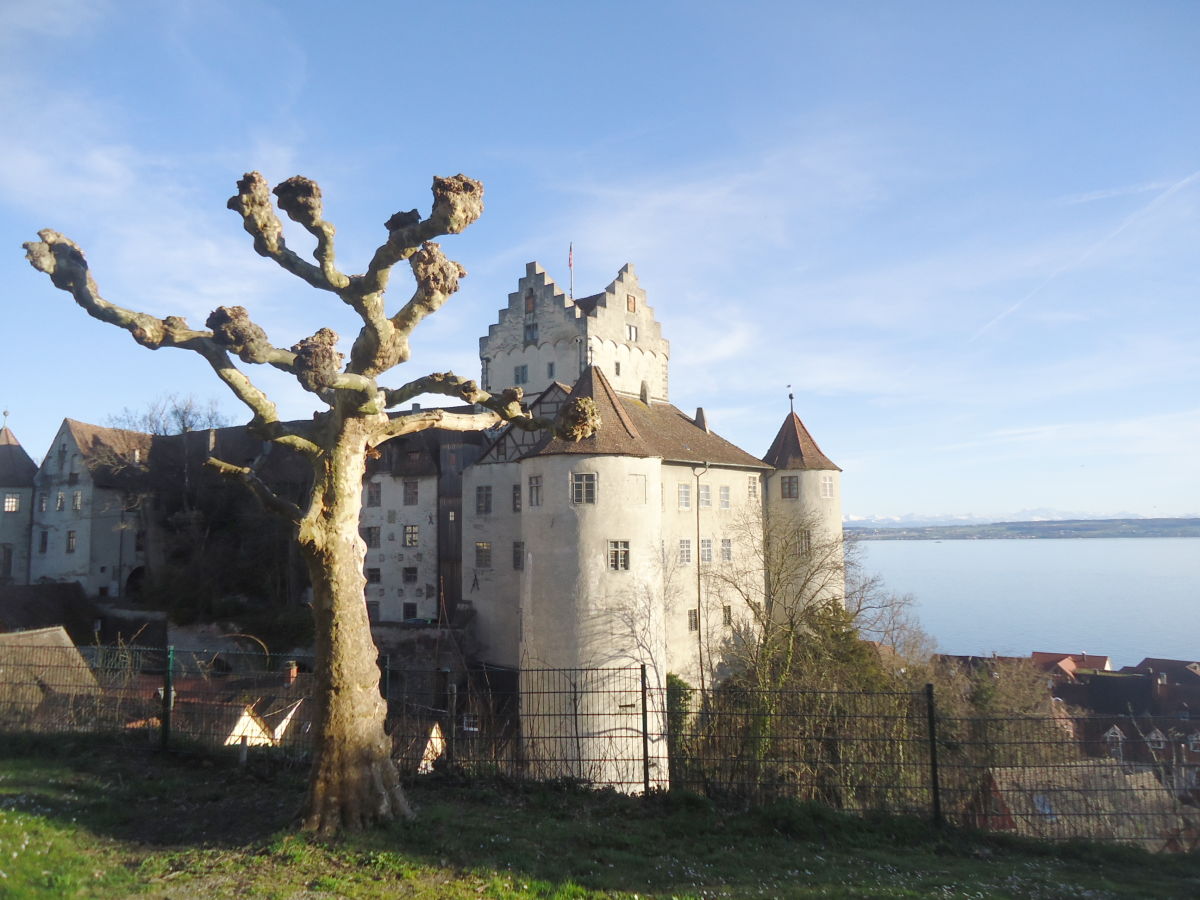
790	487
826	487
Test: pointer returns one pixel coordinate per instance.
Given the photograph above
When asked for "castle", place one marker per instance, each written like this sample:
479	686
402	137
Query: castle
551	554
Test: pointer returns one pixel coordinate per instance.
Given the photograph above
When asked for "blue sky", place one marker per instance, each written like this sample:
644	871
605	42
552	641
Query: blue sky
966	234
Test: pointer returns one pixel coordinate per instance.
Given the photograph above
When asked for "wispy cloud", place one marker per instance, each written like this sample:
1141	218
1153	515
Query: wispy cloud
1110	193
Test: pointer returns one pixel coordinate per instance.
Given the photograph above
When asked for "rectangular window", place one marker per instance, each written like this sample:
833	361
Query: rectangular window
516	497
727	616
618	555
726	550
374	493
60	502
412	535
409	574
70	542
410	493
531	332
42	503
705	496
693	620
616	368
789	486
685	552
631	332
520	374
550	371
685	496
518	554
43	541
630	303
535	490
370	534
483	554
752	487
374	576
805	541
483	500
583	487
409	611
12	502
723	496
826	487
77	500
705	550
530	302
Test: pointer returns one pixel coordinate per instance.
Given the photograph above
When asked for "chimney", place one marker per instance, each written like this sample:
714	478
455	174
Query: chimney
416	407
701	422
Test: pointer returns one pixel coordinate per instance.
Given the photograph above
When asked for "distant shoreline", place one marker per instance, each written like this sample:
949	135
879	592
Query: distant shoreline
1066	528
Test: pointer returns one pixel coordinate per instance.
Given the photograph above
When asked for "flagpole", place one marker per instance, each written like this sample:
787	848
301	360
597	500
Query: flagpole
571	268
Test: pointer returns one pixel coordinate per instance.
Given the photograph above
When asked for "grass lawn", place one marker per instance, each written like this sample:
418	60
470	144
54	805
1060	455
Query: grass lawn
100	818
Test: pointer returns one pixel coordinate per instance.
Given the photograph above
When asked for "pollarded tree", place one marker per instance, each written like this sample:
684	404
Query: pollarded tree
354	781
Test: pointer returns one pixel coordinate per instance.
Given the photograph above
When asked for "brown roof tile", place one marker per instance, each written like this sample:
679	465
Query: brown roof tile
16	468
794	448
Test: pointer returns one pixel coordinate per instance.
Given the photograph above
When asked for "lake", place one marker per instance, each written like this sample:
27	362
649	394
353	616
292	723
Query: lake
1128	598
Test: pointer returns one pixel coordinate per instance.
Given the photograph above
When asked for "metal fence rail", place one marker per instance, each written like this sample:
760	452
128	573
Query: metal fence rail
1109	778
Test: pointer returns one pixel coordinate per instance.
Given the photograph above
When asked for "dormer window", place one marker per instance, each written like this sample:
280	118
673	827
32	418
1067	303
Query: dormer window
1114	742
1156	740
1194	742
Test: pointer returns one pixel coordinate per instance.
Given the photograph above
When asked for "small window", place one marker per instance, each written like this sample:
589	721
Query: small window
70	542
518	554
583	487
374	493
685	496
726	550
370	534
12	502
618	555
531	332
685	552
412	535
630	303
550	370
520	374
805	540
1194	742
470	721
693	620
516	498
410	493
530	302
535	490
43	541
60	502
616	368
752	487
408	611
1156	740
723	496
374	576
42	503
483	500
77	500
705	496
790	487
706	550
409	574
826	487
631	332
727	616
483	554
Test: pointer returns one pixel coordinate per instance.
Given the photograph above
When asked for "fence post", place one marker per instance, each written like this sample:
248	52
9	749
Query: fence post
645	736
168	697
935	785
452	736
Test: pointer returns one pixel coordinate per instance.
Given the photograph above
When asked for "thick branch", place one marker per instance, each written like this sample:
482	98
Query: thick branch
300	198
249	477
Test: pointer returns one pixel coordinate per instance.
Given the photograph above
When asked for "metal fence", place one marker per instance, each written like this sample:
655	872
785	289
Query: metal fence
1124	779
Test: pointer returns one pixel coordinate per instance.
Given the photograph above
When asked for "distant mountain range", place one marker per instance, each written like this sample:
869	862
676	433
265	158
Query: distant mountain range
1053	528
1042	514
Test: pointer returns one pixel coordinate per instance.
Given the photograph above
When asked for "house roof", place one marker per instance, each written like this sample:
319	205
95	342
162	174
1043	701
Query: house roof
1069	663
631	427
794	448
115	457
34	664
1178	671
16	468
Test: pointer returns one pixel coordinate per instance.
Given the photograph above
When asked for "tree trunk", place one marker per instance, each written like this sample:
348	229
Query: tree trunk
354	782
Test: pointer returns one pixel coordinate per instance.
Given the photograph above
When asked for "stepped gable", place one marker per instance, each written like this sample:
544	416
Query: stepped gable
16	468
629	427
794	448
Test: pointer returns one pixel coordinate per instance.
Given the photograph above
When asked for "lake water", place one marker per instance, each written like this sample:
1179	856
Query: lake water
1128	598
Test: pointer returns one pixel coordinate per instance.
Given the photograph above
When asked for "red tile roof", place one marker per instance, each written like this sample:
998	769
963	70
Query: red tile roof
794	448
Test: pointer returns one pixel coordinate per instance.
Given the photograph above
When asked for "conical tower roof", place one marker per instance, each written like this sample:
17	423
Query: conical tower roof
794	448
16	468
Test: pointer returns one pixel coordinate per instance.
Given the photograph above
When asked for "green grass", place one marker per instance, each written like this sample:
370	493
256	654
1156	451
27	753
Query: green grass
98	818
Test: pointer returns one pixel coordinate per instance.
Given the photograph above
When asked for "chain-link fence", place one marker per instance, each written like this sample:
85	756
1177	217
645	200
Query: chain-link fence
1125	779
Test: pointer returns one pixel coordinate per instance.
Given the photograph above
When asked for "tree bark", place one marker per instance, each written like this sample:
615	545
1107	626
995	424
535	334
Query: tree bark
354	782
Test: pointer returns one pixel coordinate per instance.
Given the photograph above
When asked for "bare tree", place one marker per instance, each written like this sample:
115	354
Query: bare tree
171	414
354	781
